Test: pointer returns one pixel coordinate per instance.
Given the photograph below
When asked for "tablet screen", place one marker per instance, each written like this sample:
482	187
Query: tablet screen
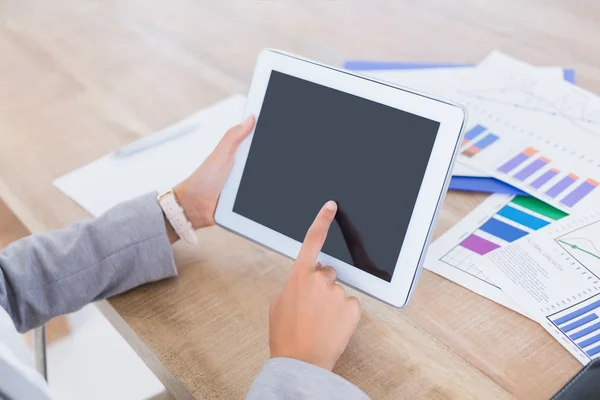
313	144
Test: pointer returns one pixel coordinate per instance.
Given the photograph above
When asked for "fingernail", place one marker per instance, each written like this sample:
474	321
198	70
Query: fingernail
331	205
247	122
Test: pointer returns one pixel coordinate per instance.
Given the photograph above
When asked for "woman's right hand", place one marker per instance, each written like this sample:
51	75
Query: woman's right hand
312	319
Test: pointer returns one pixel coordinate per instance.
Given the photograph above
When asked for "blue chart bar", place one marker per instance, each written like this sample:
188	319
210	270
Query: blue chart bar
590	341
594	351
486	141
502	230
577	313
523	218
474	132
480	145
586	331
578	323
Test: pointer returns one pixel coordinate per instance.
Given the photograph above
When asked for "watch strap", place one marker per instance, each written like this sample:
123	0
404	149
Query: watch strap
176	217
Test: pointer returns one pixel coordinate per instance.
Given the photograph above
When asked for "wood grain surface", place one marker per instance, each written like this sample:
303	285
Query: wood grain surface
81	78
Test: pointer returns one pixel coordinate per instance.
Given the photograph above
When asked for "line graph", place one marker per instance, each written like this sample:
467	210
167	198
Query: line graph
595	253
514	84
559	107
583	244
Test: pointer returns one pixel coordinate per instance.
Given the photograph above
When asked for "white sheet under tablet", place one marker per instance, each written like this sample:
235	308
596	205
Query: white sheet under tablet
108	181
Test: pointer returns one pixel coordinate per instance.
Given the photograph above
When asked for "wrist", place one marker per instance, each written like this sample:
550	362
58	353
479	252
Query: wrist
192	208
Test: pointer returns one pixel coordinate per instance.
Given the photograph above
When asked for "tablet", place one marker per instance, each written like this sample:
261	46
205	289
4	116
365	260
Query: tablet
382	152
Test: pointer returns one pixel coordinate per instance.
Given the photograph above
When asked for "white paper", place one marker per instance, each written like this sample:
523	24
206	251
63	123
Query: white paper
457	256
106	182
555	122
554	275
442	82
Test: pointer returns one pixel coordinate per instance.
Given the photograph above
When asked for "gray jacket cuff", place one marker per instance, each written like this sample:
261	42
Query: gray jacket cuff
286	378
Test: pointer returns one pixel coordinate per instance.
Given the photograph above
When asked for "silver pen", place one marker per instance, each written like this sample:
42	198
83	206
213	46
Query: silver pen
166	135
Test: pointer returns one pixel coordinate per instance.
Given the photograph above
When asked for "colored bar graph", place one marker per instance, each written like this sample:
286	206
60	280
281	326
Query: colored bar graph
538	206
585	331
480	145
531	168
579	323
545	177
577	313
473	133
502	230
522	218
562	185
479	245
517	160
580	192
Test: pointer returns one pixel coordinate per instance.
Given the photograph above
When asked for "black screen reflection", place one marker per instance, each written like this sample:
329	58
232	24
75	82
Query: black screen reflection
356	246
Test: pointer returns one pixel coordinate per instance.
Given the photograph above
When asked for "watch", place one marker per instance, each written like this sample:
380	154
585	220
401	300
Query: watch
176	217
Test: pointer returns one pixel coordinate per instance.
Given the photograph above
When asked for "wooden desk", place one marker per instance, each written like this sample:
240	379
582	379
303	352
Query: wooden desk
81	78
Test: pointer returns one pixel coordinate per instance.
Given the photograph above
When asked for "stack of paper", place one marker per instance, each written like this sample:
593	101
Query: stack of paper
541	135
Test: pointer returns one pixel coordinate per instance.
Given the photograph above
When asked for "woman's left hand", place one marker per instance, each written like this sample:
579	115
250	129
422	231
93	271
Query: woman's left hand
199	193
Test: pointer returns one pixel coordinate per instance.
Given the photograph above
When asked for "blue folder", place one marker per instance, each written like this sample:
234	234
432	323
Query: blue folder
465	183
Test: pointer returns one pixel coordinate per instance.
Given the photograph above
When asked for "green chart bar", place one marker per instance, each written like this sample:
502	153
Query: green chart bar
538	206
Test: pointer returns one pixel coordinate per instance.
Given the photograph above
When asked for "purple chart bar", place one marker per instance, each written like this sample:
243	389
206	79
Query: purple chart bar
531	168
546	176
479	245
580	192
562	185
517	160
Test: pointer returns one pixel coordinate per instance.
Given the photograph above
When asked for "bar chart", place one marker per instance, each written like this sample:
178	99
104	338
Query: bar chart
477	139
518	218
528	167
580	323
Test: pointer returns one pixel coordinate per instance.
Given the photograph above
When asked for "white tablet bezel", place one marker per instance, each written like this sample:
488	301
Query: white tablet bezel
433	188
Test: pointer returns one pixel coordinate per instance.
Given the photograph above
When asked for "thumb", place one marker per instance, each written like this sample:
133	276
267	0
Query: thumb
236	135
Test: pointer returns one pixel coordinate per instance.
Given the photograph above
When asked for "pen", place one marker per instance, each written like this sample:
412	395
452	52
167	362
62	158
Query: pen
157	139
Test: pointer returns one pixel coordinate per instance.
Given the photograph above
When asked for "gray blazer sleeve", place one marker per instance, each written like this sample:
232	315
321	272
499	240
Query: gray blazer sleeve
55	273
286	378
